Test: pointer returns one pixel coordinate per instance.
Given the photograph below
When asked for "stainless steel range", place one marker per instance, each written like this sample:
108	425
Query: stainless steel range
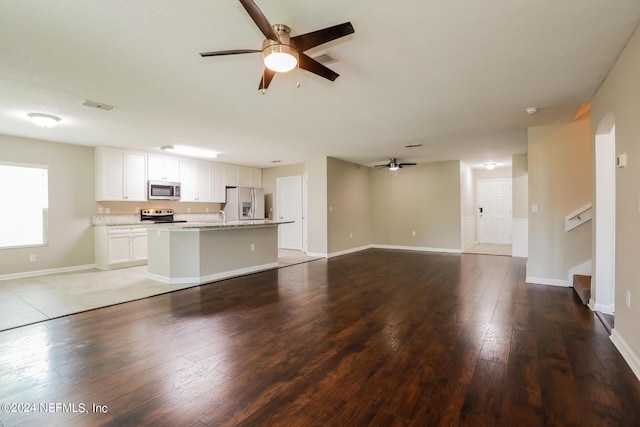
158	216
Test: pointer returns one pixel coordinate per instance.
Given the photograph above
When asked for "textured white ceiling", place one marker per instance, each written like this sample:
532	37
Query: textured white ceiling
452	75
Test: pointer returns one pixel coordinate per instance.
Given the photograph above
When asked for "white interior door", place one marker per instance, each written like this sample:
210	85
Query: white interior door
289	206
494	211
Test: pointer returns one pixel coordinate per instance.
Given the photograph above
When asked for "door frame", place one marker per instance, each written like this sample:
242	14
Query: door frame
510	180
302	207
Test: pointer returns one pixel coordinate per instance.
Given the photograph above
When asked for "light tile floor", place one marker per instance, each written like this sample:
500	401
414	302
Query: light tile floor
34	299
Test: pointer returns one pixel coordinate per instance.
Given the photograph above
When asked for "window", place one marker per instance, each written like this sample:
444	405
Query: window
24	205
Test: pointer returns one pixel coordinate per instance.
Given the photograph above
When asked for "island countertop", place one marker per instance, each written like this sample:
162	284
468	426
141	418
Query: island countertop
213	225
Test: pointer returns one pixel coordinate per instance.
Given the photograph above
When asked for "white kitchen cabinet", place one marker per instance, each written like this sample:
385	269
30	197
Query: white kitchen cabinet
243	176
120	175
163	168
256	177
120	246
218	183
195	180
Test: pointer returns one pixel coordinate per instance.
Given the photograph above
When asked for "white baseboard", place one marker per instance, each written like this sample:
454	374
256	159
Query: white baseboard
45	272
200	280
546	281
418	248
602	308
348	251
629	356
318	254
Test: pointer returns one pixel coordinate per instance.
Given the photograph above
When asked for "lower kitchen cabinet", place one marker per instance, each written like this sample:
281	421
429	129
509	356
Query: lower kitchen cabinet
119	246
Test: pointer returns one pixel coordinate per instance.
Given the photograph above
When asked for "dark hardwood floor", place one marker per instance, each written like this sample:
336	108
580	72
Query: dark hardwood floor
375	338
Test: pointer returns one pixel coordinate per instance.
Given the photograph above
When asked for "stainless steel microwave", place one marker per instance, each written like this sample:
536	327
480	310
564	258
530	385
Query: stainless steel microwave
163	190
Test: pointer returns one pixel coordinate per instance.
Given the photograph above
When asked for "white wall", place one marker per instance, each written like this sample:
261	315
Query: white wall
467	206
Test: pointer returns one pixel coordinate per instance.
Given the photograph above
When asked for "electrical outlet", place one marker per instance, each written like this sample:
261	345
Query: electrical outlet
351	235
108	210
627	297
330	208
413	232
206	210
534	208
188	210
100	210
32	258
253	247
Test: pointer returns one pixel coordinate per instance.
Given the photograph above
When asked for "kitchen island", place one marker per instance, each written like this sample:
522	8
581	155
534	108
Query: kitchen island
202	252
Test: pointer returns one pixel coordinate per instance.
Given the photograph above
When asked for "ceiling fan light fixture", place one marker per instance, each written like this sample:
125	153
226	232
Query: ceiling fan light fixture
394	167
280	57
44	120
490	166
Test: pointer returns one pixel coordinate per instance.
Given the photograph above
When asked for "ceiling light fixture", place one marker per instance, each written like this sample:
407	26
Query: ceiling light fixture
279	57
490	166
190	151
531	110
44	120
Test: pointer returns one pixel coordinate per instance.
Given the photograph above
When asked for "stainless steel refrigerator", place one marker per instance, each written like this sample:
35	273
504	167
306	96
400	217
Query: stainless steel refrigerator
244	203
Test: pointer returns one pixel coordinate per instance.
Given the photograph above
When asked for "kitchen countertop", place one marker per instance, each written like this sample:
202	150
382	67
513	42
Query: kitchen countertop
211	225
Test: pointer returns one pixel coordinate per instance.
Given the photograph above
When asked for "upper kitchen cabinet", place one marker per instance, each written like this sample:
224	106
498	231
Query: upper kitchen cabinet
218	182
243	176
120	175
163	168
195	180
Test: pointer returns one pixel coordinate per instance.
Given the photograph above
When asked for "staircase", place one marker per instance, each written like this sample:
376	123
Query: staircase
582	287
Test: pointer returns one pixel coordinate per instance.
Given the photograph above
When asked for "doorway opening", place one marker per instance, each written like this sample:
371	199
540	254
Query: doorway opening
604	224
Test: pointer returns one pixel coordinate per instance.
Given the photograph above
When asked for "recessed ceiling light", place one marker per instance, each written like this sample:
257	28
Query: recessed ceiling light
490	165
531	110
44	120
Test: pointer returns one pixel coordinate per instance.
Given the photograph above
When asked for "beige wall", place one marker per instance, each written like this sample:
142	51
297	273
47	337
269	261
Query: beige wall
519	186
467	190
269	181
317	208
348	196
559	183
619	96
71	204
423	198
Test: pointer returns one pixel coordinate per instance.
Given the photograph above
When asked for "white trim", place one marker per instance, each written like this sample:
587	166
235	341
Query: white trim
318	254
418	248
602	308
200	280
45	272
629	356
546	281
349	251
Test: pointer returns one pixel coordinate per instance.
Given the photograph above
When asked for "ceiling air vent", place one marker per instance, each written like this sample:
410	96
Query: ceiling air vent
98	105
413	145
324	58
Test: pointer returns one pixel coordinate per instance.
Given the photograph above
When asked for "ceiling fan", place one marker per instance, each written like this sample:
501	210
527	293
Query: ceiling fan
394	165
282	52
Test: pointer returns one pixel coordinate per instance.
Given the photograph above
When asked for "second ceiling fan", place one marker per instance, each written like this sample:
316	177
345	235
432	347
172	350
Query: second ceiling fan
282	52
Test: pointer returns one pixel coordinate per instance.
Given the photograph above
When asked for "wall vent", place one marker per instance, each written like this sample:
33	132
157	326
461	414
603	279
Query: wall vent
98	105
324	58
417	144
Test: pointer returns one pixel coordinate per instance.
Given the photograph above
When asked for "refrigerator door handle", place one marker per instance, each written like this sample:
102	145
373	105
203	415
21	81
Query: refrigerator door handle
253	203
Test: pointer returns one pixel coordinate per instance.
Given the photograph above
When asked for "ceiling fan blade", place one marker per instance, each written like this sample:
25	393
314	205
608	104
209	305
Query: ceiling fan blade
228	52
381	166
310	64
407	164
316	38
261	21
267	76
